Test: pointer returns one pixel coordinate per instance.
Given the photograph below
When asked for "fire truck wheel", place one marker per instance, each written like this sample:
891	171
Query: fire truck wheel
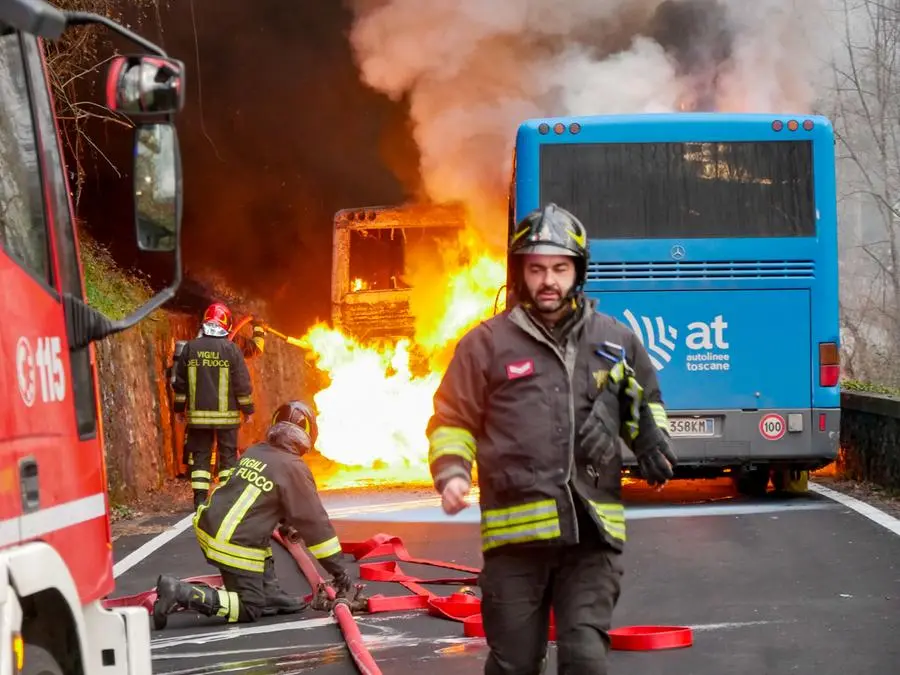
38	661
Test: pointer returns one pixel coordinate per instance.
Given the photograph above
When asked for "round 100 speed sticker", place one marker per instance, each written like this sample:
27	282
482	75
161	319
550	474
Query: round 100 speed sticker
772	427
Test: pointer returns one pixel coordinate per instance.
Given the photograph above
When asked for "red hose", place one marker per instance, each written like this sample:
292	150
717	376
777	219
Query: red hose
352	635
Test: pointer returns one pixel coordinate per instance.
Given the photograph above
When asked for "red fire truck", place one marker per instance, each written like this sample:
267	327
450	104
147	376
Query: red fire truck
56	562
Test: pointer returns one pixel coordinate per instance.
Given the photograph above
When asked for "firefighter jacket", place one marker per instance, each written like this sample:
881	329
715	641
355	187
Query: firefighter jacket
270	485
512	402
212	383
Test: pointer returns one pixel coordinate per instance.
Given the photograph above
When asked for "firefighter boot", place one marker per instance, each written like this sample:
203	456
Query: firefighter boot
200	498
172	594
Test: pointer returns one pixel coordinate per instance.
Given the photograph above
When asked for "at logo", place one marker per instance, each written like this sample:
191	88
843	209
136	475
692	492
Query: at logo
655	335
658	338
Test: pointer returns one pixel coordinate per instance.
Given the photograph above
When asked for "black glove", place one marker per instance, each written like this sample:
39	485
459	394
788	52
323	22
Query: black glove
341	583
652	449
600	430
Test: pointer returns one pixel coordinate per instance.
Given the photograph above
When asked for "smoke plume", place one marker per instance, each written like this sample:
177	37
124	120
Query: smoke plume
473	70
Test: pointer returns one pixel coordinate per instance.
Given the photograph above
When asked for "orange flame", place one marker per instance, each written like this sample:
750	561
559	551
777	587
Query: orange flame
373	413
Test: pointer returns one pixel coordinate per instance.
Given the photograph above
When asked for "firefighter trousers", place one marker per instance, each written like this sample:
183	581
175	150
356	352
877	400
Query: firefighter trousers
255	594
519	587
198	443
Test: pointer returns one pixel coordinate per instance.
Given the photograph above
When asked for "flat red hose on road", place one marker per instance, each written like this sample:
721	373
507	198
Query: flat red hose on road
352	635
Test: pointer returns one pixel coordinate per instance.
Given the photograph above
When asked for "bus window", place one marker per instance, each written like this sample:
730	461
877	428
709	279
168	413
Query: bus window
23	232
683	190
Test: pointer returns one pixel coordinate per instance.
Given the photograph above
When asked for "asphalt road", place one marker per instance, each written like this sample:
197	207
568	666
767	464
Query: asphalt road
771	585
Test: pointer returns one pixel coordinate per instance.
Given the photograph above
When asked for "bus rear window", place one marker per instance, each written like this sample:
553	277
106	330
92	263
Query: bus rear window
683	190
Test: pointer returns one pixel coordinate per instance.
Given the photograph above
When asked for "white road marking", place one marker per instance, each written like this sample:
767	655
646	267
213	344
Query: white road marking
149	547
865	510
232	632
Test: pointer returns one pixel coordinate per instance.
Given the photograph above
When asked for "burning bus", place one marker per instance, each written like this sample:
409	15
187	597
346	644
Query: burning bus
379	252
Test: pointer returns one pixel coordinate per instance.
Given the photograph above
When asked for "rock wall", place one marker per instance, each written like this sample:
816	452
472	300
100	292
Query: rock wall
143	441
870	439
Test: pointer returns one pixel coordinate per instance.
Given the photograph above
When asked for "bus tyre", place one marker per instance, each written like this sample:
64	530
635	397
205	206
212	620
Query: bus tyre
752	483
38	661
790	481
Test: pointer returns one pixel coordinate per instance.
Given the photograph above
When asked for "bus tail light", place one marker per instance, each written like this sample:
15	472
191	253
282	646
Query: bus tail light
821	421
829	364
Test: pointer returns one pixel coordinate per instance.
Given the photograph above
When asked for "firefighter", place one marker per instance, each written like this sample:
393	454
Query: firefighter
271	487
212	390
541	396
250	347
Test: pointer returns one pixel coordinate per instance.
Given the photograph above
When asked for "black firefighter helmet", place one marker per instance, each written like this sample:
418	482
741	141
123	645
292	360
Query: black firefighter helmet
290	418
549	230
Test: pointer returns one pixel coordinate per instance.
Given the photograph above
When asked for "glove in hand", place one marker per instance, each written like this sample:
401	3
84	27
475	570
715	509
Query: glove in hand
600	430
653	450
341	583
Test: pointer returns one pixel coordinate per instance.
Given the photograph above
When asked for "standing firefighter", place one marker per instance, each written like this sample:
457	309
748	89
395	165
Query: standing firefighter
539	396
271	487
212	389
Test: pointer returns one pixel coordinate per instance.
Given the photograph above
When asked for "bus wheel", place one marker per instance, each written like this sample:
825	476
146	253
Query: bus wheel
790	481
38	661
752	483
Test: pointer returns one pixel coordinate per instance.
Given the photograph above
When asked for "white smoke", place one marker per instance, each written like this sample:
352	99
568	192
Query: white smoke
475	69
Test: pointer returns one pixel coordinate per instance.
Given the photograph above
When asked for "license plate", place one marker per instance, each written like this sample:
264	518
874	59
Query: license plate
692	426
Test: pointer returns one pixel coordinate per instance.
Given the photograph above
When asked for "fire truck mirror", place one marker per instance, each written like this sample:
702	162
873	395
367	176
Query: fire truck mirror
157	187
145	85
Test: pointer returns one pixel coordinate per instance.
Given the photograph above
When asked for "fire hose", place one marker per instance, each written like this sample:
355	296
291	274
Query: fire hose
295	342
462	606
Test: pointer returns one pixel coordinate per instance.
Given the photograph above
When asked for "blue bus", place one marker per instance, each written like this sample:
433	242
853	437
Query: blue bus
714	236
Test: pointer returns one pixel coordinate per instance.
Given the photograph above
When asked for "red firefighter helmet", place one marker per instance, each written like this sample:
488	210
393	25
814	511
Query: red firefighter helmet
217	320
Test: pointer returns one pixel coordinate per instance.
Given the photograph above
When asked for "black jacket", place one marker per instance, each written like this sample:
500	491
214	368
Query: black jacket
513	400
271	485
212	383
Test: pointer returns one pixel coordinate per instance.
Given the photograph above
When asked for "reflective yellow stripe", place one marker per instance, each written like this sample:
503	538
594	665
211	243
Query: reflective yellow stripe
192	387
224	376
236	513
180	398
518	524
229	605
612	517
326	548
445	441
514	515
635	393
213	418
200	479
659	415
547	529
238	557
245	400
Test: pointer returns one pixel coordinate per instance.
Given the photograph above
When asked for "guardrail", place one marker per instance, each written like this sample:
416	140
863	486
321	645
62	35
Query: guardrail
870	438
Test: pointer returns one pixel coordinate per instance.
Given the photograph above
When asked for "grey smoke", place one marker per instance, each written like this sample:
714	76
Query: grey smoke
474	69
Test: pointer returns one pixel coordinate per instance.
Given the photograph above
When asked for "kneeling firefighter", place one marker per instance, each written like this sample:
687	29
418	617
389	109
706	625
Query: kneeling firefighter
271	487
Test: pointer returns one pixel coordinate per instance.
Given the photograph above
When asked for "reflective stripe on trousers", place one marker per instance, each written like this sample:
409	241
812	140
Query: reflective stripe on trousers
535	521
229	605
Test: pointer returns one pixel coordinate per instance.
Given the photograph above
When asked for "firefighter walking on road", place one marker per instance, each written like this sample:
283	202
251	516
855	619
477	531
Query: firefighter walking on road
541	397
271	487
212	390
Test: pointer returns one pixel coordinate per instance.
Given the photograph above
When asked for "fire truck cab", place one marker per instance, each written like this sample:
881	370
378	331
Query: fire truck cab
56	560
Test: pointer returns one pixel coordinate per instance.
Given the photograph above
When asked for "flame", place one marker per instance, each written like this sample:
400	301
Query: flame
374	410
359	284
